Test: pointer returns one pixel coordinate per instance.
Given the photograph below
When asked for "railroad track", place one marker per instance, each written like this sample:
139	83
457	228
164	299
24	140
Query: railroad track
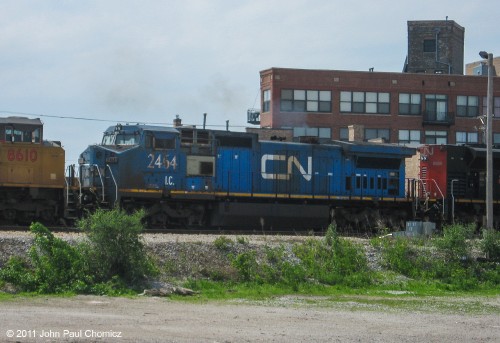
186	231
21	228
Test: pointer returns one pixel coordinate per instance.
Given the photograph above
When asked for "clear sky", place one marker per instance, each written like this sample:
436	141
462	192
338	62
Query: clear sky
149	60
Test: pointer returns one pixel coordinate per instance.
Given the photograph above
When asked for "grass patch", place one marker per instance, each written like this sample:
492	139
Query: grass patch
344	298
114	263
422	272
450	262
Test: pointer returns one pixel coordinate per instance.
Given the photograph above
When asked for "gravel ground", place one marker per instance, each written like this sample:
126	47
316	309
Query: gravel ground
291	319
282	319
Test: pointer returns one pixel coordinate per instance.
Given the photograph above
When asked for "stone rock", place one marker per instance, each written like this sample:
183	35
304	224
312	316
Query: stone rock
167	290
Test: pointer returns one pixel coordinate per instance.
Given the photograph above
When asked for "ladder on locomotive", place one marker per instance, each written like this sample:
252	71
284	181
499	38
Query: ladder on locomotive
424	202
72	194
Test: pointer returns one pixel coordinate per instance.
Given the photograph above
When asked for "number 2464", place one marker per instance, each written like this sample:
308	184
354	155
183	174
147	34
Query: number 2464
162	161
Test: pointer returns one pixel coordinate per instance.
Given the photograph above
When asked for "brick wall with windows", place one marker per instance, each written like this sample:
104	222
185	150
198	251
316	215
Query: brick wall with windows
400	107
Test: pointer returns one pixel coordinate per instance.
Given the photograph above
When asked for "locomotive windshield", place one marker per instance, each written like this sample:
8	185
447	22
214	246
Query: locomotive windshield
21	130
25	135
120	139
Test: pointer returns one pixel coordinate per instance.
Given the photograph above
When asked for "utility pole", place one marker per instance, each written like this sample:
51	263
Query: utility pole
489	142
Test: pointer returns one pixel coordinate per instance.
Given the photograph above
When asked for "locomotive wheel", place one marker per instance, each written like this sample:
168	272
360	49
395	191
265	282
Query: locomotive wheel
47	216
159	219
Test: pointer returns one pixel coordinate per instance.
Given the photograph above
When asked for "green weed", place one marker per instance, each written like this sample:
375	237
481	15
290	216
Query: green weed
111	261
446	262
223	243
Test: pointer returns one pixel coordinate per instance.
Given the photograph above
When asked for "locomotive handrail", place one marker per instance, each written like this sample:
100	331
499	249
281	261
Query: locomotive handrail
68	170
424	191
114	180
102	181
67	186
77	177
437	187
435	183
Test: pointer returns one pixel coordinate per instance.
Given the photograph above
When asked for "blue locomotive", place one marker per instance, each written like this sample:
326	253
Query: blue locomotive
210	178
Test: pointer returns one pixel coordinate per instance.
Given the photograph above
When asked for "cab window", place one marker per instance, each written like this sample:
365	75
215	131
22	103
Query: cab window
22	135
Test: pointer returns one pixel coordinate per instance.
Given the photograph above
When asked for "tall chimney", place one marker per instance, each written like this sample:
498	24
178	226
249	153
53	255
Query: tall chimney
177	121
204	120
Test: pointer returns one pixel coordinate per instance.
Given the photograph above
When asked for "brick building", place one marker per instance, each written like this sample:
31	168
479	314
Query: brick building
434	105
435	47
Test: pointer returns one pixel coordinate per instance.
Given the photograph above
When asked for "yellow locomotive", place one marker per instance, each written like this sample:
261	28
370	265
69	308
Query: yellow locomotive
32	180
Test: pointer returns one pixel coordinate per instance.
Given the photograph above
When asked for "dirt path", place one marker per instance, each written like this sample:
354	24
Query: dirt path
102	319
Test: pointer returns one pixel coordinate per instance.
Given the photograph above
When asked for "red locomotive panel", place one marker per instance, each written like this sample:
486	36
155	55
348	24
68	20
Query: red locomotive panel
433	170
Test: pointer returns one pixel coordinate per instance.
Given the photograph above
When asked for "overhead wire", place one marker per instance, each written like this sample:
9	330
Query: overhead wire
107	120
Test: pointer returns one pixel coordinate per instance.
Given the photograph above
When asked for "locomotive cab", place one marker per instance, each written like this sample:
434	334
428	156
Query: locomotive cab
131	159
455	176
31	172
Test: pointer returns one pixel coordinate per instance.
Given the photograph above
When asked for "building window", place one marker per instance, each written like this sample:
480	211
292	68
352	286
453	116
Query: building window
496	138
266	103
436	107
325	132
436	137
409	137
365	102
496	106
429	45
321	132
377	133
319	101
467	106
305	131
344	134
467	138
410	104
296	100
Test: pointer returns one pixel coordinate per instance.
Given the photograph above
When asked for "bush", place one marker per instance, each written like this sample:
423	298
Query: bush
399	255
454	243
115	247
445	260
247	266
54	267
112	259
490	245
334	260
283	267
18	272
329	261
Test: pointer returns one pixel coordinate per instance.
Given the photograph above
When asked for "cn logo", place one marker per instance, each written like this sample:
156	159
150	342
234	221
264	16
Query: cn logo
291	161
